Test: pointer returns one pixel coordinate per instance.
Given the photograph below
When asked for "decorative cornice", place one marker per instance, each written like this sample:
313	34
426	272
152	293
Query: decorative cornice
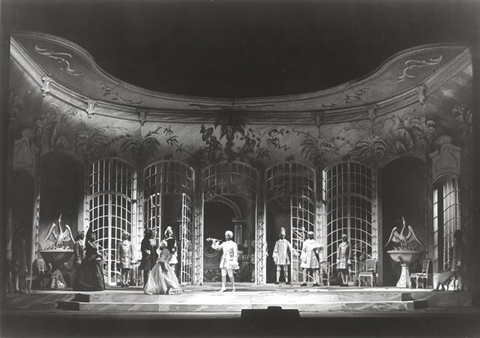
348	102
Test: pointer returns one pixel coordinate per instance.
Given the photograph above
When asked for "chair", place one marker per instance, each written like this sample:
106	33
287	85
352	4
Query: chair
370	272
325	267
421	275
40	273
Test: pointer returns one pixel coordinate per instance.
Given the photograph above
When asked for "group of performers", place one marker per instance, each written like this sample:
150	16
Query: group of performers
158	263
310	258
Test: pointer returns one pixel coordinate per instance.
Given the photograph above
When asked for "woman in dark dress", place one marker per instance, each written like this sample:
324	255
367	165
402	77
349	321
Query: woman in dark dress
90	273
149	254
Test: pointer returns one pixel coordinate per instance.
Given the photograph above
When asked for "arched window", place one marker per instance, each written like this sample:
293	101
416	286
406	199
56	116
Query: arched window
291	203
110	209
168	193
446	219
349	199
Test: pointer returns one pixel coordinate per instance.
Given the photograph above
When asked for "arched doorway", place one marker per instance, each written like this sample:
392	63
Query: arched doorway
218	218
235	185
403	195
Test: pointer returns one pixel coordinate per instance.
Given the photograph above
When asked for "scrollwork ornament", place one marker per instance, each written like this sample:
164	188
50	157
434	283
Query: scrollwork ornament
318	117
91	108
46	85
422	94
142	117
372	113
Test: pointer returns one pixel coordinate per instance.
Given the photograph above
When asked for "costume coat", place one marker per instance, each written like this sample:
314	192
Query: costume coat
281	252
310	250
230	254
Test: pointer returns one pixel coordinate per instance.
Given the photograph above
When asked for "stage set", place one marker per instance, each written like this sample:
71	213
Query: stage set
386	160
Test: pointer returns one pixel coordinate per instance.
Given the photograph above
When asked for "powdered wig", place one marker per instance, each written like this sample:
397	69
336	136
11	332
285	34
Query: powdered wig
228	234
168	232
80	236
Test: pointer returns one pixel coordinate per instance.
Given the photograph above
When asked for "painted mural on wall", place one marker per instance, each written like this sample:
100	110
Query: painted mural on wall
230	137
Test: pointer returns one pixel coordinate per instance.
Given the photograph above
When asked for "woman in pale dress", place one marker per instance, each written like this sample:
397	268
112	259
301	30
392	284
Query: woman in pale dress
229	260
163	244
162	279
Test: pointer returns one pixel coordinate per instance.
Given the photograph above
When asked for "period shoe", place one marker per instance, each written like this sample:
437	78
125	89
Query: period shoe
304	284
288	283
222	290
276	282
316	284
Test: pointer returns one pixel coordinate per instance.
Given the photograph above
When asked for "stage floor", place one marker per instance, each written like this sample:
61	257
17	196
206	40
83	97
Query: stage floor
203	311
206	301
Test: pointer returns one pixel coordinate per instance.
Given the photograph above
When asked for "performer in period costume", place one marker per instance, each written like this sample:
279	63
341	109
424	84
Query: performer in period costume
149	254
229	260
126	258
78	252
281	256
19	264
163	244
162	279
310	259
457	267
90	274
343	259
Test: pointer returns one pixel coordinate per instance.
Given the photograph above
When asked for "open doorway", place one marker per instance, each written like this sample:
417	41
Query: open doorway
218	218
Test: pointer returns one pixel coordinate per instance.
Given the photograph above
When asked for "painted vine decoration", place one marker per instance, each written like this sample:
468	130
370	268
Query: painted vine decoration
15	107
316	149
370	150
91	144
141	148
463	121
411	133
240	143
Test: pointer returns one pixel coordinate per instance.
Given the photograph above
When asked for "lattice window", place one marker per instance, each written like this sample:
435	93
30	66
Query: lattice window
171	178
349	203
292	186
451	217
110	209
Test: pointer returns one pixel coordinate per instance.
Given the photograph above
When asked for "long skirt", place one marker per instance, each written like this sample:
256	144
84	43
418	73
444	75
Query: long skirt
89	277
161	282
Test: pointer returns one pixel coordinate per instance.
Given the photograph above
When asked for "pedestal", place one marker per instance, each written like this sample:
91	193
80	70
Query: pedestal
404	280
56	257
405	258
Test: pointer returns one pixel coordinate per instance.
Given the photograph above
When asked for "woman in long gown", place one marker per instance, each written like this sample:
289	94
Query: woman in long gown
162	279
90	273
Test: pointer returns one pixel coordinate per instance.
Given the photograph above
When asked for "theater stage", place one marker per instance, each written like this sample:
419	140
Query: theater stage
252	308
